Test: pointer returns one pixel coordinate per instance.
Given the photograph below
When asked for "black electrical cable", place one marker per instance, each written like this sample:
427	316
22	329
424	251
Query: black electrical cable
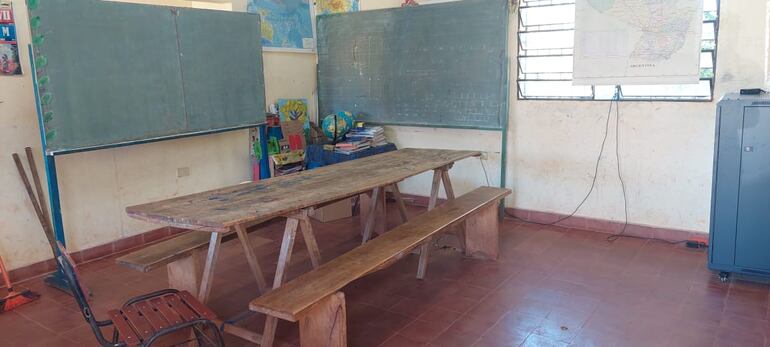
593	180
486	175
613	238
621	234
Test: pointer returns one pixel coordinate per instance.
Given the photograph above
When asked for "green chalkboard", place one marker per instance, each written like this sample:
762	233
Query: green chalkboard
115	73
442	65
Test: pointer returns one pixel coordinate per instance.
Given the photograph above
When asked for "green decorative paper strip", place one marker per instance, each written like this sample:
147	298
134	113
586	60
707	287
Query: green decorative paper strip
41	61
38	39
46	99
43	81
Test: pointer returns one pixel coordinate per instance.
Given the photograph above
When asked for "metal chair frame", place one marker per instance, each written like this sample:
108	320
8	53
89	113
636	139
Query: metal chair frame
79	293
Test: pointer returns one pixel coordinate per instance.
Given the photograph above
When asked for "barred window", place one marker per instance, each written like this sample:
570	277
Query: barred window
546	41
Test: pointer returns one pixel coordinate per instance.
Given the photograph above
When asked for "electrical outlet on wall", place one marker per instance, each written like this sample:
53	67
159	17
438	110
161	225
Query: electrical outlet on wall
182	172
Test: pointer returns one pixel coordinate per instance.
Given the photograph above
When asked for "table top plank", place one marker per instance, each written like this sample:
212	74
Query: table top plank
220	209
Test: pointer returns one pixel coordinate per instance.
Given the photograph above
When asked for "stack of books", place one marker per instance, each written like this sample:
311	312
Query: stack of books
350	146
374	135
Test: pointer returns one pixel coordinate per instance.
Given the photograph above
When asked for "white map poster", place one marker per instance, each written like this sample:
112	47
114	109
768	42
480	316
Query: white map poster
637	42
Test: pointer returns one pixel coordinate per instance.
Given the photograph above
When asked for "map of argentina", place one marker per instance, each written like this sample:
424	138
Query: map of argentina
637	41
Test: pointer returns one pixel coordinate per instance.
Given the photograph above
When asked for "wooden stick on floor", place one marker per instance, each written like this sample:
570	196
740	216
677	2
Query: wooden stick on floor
40	196
35	204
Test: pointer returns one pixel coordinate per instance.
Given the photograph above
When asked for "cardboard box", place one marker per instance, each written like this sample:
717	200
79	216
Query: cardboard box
338	210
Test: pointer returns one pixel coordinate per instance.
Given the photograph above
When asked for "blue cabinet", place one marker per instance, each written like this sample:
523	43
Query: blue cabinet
740	209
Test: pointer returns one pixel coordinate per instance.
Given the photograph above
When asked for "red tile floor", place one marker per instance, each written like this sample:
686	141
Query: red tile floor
551	287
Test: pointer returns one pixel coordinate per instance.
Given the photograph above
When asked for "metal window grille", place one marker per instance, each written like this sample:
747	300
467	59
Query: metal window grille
545	49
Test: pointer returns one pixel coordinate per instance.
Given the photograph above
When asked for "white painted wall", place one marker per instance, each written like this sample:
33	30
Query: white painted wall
666	147
21	239
667	150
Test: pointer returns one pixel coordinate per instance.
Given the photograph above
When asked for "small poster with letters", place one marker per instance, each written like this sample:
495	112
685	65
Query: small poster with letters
9	46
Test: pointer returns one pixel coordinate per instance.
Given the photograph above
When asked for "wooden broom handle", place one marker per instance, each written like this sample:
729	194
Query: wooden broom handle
39	188
6	277
35	204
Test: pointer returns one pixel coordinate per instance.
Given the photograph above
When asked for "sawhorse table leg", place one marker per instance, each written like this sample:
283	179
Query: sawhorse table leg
374	211
208	270
251	257
294	221
439	175
372	208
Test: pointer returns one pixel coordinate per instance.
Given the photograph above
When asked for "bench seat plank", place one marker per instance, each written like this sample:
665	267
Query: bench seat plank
164	252
292	299
170	250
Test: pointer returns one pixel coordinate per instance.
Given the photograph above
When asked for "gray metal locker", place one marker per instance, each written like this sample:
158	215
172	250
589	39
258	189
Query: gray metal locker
740	207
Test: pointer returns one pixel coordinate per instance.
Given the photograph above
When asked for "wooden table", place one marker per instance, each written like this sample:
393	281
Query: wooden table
293	197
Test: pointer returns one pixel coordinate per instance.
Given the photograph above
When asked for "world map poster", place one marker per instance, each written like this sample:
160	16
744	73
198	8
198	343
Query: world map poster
637	42
336	6
286	24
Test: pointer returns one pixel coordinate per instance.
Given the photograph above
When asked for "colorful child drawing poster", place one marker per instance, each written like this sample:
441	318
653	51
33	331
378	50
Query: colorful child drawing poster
286	24
336	6
294	110
9	46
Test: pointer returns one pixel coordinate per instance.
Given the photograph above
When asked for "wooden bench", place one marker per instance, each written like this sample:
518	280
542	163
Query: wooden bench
180	256
314	300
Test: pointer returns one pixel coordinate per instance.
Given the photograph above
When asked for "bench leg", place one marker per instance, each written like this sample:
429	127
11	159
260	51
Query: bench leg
372	206
184	274
325	324
482	233
208	271
251	257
